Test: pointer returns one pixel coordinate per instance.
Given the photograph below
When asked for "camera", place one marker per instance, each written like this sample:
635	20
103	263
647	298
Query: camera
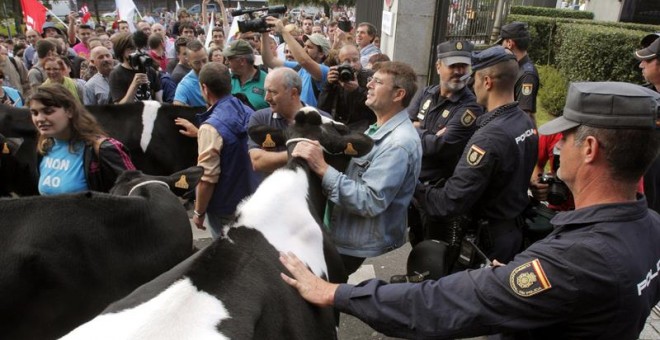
140	61
558	192
346	72
344	24
257	24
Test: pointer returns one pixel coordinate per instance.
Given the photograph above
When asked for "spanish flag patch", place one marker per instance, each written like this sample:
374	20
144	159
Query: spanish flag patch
529	279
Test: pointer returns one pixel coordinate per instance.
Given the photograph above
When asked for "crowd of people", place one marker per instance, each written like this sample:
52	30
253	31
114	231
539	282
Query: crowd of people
452	161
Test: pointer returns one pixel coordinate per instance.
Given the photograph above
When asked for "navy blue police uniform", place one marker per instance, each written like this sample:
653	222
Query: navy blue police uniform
527	85
596	276
492	176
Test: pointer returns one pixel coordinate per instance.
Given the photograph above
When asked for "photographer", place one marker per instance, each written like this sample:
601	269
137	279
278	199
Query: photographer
345	92
132	80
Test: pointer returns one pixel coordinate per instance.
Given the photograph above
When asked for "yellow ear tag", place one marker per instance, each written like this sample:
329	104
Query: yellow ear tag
5	149
349	150
268	143
182	183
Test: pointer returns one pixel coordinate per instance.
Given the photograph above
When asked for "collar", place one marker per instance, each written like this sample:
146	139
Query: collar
276	115
611	212
255	78
390	125
524	60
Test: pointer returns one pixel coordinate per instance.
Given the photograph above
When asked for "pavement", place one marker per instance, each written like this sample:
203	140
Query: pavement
393	263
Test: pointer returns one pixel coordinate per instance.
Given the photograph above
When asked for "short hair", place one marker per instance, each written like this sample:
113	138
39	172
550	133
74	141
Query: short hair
188	25
378	58
180	42
371	29
99	30
629	160
121	43
194	45
56	43
218	29
140	39
404	77
522	43
217	79
290	78
44	46
199	30
84	27
504	74
155	40
122	22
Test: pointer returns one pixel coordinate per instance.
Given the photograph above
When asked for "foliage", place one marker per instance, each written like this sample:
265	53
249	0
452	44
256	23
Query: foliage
551	12
597	53
554	86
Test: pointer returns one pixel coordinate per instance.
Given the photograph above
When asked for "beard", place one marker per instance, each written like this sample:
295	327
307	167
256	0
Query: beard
453	86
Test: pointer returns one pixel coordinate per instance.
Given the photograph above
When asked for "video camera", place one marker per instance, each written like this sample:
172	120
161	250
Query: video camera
139	61
257	24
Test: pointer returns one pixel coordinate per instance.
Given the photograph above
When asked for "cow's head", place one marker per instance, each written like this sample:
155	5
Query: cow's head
337	140
181	183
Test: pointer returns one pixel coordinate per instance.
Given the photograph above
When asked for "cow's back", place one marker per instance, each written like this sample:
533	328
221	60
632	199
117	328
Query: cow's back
66	258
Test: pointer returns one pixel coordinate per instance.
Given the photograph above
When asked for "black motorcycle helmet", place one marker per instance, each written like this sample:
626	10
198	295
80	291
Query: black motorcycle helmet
428	259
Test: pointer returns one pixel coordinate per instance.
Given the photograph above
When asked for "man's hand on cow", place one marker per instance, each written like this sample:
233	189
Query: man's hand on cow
313	153
199	221
312	288
189	129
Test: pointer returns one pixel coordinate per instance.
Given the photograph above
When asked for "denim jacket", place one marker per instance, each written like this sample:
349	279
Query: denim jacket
369	216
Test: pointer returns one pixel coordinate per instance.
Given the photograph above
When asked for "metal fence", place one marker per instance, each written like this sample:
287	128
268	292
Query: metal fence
471	20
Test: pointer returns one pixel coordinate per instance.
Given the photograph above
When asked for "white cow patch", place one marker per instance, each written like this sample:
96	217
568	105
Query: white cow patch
149	114
179	312
279	210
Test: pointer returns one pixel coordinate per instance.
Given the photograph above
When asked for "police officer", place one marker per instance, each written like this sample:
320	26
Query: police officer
516	38
594	277
649	63
491	178
445	116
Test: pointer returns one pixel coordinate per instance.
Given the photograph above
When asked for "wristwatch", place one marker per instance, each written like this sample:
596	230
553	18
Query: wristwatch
198	214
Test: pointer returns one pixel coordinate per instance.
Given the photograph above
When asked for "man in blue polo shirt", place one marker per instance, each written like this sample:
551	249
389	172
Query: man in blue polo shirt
188	92
245	77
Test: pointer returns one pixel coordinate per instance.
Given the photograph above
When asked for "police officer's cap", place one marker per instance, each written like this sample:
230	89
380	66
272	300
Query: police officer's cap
455	52
613	105
514	30
490	56
650	51
649	39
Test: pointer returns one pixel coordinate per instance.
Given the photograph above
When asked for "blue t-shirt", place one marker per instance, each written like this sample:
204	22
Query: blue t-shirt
189	92
308	82
60	171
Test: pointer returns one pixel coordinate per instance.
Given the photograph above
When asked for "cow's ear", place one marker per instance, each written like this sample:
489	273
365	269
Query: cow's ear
184	182
357	144
266	136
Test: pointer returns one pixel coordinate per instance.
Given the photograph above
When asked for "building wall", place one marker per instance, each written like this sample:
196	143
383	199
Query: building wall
605	10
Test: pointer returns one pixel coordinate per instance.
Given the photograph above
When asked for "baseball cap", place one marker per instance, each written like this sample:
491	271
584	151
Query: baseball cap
319	40
613	105
514	30
455	52
238	47
490	56
48	24
650	52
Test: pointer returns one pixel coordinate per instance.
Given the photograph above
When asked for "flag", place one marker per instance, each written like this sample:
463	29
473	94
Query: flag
34	14
126	10
233	30
209	34
85	13
177	6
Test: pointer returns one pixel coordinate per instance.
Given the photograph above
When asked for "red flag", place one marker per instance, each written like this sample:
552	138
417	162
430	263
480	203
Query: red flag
34	14
86	14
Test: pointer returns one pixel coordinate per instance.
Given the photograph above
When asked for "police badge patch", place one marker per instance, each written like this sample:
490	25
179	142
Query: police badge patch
445	113
422	112
529	279
459	46
475	154
527	88
468	118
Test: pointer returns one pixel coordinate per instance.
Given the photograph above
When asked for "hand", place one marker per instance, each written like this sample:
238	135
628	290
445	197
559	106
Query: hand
539	190
333	75
189	129
349	86
311	288
72	17
199	221
313	154
140	79
441	131
276	25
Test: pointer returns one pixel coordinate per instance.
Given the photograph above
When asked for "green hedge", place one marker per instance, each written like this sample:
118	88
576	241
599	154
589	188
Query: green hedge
551	12
597	53
554	86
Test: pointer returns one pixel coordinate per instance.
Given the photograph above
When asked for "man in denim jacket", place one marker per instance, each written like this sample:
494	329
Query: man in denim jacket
367	208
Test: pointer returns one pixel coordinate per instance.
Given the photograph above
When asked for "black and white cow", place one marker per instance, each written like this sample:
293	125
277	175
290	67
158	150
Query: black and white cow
232	289
65	258
146	128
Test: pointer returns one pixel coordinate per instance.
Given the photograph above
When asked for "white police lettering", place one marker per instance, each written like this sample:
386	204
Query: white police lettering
57	164
524	135
647	280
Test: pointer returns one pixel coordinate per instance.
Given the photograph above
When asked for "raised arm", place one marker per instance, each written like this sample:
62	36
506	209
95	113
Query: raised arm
297	51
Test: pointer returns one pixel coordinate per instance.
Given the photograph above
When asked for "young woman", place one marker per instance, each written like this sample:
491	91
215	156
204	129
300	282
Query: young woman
57	71
74	153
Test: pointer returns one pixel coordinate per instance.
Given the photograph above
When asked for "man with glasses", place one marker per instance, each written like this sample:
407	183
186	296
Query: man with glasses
245	77
368	204
188	92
